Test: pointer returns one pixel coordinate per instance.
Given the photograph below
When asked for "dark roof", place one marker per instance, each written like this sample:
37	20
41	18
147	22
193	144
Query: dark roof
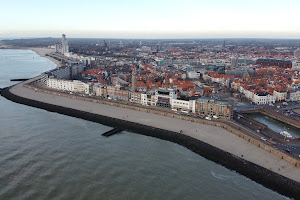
273	60
262	94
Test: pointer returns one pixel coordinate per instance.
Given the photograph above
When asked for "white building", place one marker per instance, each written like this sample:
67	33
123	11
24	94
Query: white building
60	84
260	98
68	85
193	75
148	99
164	97
184	105
81	87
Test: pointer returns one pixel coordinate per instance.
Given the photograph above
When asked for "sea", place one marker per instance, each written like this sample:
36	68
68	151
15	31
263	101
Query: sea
45	155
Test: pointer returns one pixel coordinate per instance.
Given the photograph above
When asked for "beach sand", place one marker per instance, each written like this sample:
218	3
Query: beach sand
43	51
212	135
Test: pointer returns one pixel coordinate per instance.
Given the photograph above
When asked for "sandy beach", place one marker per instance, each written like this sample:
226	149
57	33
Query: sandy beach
213	135
43	51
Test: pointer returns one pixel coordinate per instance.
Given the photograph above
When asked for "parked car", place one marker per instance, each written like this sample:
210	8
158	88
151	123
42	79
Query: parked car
207	118
264	139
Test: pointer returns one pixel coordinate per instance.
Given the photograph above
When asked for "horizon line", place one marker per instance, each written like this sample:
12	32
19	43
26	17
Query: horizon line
116	38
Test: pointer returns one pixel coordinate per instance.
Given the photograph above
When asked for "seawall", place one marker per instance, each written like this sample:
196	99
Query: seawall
255	172
230	126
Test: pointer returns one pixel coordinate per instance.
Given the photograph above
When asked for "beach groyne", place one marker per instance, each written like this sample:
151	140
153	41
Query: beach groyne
19	79
255	172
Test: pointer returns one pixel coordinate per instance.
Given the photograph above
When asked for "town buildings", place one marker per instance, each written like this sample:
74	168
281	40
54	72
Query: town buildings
184	77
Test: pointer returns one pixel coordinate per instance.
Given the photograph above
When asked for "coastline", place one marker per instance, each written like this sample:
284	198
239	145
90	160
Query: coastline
216	147
213	152
42	52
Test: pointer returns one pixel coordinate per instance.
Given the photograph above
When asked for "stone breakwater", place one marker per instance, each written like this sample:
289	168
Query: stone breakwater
255	172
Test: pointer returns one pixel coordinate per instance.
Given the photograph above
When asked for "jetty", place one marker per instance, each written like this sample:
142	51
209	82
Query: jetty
112	132
19	79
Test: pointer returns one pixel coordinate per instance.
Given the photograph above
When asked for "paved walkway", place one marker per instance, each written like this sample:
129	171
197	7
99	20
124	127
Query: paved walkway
213	135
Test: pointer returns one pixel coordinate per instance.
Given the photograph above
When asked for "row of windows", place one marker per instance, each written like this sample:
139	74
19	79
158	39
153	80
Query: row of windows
176	102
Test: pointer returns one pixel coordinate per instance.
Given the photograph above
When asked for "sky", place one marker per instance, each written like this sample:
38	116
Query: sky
150	19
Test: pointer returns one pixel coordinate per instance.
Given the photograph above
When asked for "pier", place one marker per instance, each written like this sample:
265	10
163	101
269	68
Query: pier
19	79
112	132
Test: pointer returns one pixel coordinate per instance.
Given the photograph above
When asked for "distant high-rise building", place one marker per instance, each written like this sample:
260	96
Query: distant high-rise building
103	43
57	48
64	45
224	44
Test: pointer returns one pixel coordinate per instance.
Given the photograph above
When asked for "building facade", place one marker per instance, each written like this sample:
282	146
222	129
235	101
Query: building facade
260	98
164	97
183	105
117	92
210	107
280	95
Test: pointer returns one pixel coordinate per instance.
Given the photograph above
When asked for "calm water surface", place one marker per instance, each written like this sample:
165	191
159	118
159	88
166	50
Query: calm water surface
274	124
45	155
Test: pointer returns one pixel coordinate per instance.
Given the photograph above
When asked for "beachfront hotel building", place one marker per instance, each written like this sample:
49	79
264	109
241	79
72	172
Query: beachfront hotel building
164	97
68	85
117	93
184	105
148	98
211	107
60	79
99	90
135	97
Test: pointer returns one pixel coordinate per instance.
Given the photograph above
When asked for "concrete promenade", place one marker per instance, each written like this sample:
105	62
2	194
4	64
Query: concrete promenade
213	135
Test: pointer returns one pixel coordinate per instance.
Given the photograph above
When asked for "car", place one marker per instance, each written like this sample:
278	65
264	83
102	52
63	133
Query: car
288	150
207	118
264	139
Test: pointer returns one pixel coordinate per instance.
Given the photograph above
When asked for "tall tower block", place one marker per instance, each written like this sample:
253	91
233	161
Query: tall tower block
64	44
